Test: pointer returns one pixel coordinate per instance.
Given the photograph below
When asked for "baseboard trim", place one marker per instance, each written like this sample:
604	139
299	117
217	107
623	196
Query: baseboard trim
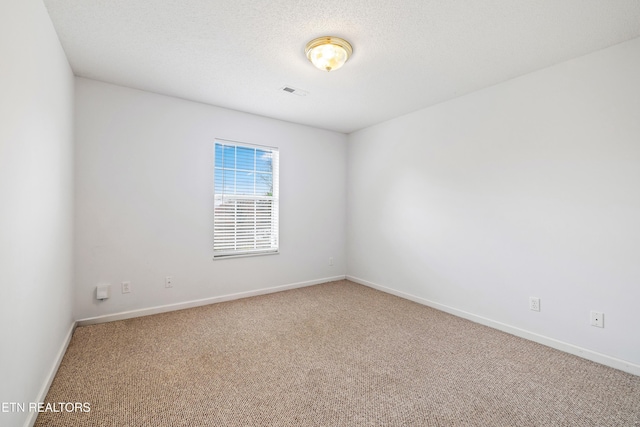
200	302
31	419
593	356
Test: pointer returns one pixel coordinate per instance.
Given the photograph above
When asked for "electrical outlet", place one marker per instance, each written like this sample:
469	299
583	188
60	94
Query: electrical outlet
126	287
330	261
597	319
168	282
534	304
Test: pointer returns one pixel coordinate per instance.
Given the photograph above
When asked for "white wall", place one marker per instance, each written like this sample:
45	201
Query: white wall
36	205
527	188
144	200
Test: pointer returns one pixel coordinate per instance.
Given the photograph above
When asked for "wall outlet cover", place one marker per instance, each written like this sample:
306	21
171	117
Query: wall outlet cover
103	292
534	303
597	319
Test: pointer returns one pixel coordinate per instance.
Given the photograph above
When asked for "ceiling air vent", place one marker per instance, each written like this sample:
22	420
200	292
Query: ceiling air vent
294	91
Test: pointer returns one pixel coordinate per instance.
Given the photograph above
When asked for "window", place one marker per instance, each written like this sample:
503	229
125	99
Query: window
245	218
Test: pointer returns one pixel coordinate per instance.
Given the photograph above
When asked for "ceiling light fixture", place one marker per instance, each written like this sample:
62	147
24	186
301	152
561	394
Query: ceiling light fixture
328	53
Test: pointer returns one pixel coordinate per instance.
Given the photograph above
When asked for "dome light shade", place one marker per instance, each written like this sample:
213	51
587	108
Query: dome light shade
328	53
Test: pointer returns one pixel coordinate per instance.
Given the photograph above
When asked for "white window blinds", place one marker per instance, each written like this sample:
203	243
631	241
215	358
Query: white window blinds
245	219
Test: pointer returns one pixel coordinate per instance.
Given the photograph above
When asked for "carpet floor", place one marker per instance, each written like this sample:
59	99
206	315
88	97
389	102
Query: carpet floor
335	354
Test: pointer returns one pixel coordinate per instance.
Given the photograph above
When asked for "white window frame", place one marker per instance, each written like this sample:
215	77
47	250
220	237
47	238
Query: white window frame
231	239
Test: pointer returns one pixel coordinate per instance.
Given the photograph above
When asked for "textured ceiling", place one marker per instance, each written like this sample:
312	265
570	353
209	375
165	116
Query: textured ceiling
408	54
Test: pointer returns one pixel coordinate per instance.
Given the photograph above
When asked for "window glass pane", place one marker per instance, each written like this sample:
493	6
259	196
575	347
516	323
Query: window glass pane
244	182
229	181
218	155
264	184
246	213
263	161
245	157
229	157
218	180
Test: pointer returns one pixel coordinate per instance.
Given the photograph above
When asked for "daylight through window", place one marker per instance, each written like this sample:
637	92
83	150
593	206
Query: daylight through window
245	219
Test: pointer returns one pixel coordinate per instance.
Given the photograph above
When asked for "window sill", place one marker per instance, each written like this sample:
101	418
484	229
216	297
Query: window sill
245	255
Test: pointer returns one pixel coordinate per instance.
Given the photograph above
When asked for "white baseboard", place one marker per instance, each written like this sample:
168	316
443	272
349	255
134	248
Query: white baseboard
31	419
603	359
196	303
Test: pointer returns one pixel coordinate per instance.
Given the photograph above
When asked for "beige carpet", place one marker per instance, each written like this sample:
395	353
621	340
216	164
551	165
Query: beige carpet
337	354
